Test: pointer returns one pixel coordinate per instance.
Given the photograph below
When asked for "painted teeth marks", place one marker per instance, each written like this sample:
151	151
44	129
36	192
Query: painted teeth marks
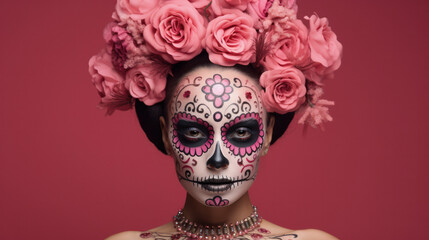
250	146
216	183
196	148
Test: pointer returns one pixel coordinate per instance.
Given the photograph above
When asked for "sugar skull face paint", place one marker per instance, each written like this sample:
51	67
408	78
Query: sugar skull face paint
216	128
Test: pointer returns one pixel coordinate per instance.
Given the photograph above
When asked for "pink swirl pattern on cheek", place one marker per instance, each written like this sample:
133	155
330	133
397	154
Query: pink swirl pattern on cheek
251	163
192	151
242	151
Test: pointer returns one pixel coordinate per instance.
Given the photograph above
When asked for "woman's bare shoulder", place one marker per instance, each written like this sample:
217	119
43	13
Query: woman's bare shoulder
277	232
267	231
164	230
313	234
127	235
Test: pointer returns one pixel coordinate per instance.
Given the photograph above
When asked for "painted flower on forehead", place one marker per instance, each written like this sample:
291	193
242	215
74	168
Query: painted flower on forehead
174	31
217	90
284	89
230	39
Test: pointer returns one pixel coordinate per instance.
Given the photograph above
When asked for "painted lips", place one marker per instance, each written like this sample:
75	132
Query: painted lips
216	185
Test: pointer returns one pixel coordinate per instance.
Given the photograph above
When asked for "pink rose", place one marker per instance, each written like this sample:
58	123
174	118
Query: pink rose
109	83
284	89
203	7
174	31
325	48
200	5
279	14
230	39
316	73
135	9
120	45
146	83
222	7
289	47
259	9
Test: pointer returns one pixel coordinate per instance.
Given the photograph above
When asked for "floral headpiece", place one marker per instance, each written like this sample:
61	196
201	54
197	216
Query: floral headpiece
146	37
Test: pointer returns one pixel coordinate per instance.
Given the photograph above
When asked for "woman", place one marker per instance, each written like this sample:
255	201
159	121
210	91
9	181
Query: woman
214	83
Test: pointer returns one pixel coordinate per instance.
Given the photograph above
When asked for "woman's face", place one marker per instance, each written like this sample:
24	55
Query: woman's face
216	132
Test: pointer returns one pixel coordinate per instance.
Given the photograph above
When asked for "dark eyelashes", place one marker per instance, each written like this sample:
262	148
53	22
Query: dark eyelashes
241	133
192	132
243	130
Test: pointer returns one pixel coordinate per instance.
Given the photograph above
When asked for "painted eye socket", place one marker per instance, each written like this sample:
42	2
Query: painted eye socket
244	134
241	134
193	134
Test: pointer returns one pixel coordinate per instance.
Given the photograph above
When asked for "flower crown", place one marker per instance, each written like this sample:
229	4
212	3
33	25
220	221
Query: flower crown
146	37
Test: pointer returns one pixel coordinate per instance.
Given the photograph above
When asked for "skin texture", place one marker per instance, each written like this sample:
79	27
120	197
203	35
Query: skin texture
216	130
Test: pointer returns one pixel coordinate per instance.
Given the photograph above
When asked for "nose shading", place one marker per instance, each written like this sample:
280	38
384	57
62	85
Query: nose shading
218	160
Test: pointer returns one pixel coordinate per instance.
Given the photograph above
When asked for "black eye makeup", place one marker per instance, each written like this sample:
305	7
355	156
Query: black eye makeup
191	135
244	134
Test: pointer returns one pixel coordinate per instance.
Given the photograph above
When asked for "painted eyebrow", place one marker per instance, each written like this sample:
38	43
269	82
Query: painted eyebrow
191	123
189	118
242	121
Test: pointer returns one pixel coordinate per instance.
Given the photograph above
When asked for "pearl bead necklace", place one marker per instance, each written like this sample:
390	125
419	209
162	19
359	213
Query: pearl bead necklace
199	231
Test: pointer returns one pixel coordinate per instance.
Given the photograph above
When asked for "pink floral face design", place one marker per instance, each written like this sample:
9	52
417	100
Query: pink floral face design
217	90
217	128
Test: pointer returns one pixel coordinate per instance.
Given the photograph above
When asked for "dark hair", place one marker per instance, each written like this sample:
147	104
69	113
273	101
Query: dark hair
149	115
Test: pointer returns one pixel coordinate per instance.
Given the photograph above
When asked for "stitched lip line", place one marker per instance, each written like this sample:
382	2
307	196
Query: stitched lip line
215	181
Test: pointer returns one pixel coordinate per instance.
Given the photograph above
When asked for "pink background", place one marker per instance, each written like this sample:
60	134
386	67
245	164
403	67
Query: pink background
69	172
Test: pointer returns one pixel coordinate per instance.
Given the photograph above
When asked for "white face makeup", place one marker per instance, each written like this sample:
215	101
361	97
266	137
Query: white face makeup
216	126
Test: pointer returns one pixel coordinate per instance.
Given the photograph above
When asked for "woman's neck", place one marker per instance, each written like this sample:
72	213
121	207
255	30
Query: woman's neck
201	214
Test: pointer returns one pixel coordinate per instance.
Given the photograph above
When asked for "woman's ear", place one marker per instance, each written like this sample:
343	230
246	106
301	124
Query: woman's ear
165	140
268	136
